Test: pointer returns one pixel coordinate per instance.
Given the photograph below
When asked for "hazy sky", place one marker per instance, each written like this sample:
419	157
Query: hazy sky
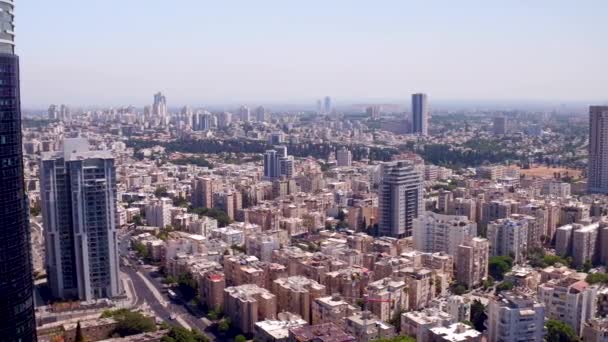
201	52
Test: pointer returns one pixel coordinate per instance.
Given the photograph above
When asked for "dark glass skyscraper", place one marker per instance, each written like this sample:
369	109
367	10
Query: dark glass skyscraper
420	114
17	321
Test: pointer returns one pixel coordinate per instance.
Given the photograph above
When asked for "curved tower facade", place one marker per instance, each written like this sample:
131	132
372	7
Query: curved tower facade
17	321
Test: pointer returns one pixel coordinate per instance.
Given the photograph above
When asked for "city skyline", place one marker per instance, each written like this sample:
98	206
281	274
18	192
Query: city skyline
201	53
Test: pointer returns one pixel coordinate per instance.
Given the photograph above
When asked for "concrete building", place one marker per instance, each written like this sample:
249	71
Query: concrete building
248	304
556	188
331	309
580	241
442	233
211	288
500	125
420	114
367	327
344	157
277	330
399	198
598	150
158	212
509	237
457	332
296	295
596	330
419	323
472	265
202	192
325	332
79	214
515	317
570	300
463	207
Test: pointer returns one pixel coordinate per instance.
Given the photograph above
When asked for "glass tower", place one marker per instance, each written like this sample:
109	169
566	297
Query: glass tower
17	321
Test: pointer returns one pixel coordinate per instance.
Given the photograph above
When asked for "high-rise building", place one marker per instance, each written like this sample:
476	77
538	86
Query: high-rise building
509	237
244	114
472	264
79	215
420	114
260	114
344	157
514	317
159	108
270	164
442	233
327	104
570	300
598	150
500	125
399	198
16	283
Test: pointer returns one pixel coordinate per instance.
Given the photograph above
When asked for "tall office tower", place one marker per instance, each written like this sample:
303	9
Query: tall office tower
319	107
64	113
399	198
244	114
53	112
373	112
79	215
201	121
260	114
159	108
420	114
17	322
598	150
286	166
500	125
270	164
224	119
344	157
327	104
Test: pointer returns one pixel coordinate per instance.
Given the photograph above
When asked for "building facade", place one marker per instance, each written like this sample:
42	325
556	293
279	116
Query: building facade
79	215
420	114
16	283
598	150
399	198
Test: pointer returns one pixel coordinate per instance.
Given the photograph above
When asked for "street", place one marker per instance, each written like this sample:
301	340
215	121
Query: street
149	290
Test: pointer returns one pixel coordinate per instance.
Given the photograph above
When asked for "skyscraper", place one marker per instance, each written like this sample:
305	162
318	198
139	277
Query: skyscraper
79	215
17	321
598	150
399	198
327	104
160	105
420	114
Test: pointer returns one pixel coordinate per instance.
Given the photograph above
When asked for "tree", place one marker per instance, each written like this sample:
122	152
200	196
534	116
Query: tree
240	338
187	286
224	325
137	220
140	249
499	265
478	315
504	286
130	322
161	191
558	331
79	334
587	266
179	334
35	210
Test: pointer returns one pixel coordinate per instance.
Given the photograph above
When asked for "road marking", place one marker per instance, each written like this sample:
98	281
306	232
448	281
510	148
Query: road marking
153	289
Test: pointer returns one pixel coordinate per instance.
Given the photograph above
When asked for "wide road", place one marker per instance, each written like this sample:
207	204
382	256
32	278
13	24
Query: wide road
163	307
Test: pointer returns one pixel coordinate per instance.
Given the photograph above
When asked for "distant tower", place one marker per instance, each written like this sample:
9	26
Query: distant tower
420	114
344	157
260	114
79	215
399	198
327	105
319	107
244	114
159	108
271	164
500	125
53	112
598	150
